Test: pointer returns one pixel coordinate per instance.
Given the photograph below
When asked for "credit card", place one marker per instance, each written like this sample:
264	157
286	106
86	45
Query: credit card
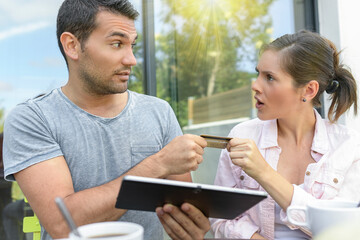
216	141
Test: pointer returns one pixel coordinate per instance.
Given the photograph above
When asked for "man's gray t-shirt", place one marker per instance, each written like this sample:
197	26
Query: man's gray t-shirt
97	150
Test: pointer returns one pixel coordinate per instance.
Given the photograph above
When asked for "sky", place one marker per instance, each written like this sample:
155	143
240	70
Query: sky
30	60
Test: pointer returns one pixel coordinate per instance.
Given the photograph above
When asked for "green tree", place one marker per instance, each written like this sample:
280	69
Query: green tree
2	116
136	78
205	51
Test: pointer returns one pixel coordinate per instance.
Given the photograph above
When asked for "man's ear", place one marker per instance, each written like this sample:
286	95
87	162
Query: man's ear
310	90
71	45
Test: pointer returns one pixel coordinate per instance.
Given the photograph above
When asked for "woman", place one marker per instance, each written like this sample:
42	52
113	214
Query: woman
289	151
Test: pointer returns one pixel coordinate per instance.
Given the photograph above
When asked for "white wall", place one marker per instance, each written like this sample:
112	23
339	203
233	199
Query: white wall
339	21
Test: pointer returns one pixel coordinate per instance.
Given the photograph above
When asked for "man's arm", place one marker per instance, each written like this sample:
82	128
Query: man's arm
44	181
183	177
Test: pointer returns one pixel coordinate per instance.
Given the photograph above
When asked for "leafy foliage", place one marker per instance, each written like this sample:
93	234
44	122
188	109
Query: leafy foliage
209	47
136	77
2	116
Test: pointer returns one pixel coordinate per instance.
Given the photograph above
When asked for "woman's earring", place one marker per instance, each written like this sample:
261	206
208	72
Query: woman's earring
304	99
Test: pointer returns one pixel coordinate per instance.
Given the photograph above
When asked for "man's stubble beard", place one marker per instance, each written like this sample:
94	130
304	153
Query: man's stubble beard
96	84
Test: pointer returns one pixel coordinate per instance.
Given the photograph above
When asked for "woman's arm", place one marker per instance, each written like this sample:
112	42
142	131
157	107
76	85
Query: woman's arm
245	154
257	236
339	181
242	226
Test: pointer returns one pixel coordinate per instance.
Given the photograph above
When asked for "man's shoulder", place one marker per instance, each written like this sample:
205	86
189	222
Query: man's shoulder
147	100
43	98
34	105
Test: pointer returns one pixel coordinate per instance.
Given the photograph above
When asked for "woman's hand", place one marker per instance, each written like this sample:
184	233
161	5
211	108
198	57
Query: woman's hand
245	154
257	236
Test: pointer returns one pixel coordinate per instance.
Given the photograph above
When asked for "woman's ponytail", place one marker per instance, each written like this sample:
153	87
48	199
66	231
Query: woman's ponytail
342	89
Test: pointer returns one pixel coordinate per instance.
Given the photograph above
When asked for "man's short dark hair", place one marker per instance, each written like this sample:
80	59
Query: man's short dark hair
78	16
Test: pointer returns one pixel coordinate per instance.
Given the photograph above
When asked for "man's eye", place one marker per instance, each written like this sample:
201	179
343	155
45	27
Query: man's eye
133	45
117	45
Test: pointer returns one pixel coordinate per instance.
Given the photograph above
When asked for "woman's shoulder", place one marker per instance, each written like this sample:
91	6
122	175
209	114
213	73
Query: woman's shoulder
338	131
249	128
341	135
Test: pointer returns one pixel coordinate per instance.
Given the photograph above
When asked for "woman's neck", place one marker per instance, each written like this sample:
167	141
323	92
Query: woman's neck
297	128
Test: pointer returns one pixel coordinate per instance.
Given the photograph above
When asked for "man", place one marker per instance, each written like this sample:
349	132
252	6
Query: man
78	141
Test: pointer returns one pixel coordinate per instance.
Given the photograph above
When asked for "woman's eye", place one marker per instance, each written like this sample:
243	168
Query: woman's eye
269	77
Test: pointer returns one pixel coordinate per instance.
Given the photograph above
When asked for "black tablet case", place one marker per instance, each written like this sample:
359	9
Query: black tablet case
147	196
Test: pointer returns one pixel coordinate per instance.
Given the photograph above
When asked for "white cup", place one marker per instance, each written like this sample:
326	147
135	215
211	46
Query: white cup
109	231
341	231
323	214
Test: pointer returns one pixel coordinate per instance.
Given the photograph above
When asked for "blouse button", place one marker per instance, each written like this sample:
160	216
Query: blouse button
242	177
335	180
307	173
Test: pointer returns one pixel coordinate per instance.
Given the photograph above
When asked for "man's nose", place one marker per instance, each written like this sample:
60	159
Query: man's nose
129	59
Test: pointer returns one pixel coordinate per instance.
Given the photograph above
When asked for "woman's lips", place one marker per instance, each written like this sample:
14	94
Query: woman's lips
258	104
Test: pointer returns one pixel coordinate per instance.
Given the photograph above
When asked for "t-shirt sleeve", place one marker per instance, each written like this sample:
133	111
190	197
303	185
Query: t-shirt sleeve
174	129
27	140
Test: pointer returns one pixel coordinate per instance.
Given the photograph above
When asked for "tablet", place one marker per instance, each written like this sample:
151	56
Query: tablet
146	194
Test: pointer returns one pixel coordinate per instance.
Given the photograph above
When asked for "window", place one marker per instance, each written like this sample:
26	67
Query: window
31	63
206	53
197	55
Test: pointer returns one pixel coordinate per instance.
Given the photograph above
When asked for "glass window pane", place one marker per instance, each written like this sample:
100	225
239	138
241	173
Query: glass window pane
206	53
30	60
31	64
136	81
